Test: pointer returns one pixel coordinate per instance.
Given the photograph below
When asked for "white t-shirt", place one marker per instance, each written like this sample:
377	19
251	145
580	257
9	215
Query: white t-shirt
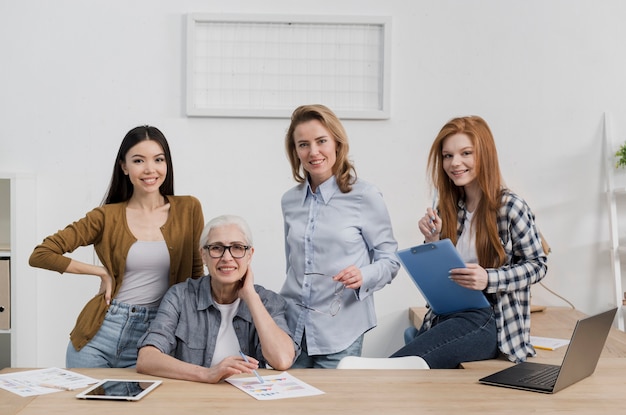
466	244
227	343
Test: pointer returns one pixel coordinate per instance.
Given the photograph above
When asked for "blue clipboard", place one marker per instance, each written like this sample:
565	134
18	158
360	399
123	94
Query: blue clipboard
428	265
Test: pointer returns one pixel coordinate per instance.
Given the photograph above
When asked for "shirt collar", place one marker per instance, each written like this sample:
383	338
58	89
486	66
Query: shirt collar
205	299
325	190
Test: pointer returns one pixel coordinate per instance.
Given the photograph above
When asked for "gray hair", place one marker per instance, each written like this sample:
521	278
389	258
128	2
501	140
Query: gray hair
224	220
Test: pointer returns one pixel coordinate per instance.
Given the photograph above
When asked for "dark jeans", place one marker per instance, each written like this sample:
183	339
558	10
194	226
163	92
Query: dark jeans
455	338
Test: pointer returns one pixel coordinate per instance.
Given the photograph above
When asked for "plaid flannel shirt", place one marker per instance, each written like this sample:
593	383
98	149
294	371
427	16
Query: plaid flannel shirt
508	287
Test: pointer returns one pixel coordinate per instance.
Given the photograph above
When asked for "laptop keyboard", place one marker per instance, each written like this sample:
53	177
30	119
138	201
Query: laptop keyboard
544	377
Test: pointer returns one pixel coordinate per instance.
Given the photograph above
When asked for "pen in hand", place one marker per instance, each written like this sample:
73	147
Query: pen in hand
254	371
432	218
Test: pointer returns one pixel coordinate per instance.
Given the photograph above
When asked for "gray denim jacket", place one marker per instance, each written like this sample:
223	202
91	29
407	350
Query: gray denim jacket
187	323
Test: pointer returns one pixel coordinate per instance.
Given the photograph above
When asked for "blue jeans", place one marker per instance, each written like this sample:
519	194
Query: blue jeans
455	338
115	343
326	361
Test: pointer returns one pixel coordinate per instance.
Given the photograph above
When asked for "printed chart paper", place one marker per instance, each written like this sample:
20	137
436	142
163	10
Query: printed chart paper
274	387
42	381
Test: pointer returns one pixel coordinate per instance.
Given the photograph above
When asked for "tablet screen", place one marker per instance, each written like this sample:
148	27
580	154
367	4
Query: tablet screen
131	390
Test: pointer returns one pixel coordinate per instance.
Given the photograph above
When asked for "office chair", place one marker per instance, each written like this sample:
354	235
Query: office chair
405	362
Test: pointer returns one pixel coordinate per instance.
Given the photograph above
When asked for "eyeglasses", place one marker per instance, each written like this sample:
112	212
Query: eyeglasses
335	305
236	251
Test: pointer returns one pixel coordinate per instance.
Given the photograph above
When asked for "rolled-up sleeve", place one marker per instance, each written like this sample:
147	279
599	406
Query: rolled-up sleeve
276	306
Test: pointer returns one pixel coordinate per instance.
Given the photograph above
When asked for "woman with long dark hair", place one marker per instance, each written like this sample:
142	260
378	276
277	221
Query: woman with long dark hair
145	238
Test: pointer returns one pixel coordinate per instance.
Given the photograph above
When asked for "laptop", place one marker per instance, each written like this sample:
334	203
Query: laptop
580	360
429	265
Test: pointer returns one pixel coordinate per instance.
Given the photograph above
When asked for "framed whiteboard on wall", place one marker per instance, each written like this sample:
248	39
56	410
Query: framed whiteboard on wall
267	65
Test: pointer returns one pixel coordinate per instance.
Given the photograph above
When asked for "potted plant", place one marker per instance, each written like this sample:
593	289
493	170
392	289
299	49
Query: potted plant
621	157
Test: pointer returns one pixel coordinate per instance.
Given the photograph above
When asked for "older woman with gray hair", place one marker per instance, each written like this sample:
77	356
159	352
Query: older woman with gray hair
221	324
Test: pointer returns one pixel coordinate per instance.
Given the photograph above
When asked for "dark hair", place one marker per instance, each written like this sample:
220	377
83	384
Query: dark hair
344	170
120	187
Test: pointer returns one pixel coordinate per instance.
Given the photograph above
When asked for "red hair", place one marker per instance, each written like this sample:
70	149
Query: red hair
485	220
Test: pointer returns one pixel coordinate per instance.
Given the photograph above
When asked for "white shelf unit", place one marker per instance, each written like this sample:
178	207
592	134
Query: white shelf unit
17	219
616	196
5	274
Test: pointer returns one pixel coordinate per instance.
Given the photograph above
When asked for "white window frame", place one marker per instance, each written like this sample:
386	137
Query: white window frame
355	97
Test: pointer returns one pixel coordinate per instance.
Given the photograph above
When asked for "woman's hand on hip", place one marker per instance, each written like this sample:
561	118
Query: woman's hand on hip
106	285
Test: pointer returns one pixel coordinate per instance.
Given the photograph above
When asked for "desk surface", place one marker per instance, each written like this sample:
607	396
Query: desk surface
346	392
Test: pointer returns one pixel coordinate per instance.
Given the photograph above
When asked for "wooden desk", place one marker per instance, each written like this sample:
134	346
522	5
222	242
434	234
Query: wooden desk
346	392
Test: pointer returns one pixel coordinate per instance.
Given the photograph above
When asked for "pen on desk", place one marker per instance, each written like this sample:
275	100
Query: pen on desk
543	347
254	371
52	386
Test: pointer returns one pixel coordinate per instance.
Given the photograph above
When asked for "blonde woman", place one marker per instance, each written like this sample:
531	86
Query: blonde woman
339	243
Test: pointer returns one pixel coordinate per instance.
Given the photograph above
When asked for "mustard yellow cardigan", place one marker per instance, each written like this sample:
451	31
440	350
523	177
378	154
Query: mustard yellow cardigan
105	228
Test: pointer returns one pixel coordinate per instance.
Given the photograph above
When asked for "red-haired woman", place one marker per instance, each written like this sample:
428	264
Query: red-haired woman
494	231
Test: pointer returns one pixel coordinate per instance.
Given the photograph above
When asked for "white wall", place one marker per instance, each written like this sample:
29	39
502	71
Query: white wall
76	75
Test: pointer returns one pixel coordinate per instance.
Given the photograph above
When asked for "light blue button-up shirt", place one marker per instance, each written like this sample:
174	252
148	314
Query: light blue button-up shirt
325	232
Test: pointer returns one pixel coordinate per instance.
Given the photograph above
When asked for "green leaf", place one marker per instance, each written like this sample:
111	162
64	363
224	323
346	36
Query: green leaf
621	157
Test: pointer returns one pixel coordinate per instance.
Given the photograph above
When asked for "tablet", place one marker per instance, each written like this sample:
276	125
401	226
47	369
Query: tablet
429	265
119	389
